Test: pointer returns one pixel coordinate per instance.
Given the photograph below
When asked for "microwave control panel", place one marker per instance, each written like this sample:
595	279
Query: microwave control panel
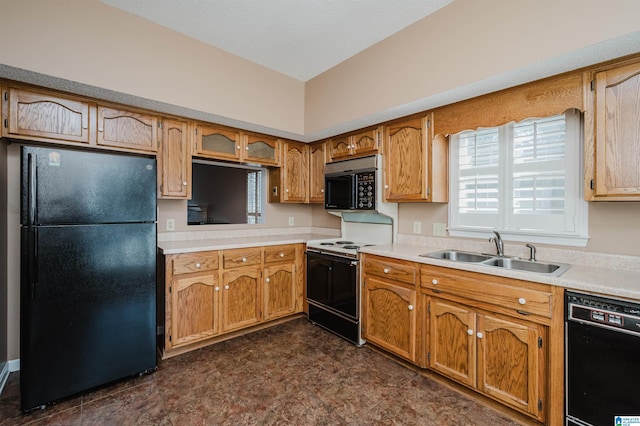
366	191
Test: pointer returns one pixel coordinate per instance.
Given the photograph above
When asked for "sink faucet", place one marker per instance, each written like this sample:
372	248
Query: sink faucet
532	252
499	244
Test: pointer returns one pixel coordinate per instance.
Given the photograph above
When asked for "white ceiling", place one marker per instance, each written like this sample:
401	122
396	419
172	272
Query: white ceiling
299	38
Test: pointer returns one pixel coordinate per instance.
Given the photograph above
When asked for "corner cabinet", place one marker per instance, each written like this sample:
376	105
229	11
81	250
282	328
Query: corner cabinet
45	116
362	143
210	295
174	160
290	183
612	134
416	163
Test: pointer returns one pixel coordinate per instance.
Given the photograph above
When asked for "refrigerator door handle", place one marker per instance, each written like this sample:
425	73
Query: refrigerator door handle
31	200
33	261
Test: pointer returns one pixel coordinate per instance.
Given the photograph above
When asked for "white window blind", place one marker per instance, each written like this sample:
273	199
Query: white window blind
254	196
522	179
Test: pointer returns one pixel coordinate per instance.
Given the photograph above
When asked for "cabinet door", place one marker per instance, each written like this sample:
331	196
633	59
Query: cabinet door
280	291
174	161
241	298
617	146
406	161
510	362
366	142
261	149
43	116
127	129
317	156
339	148
390	317
194	309
452	340
217	142
295	177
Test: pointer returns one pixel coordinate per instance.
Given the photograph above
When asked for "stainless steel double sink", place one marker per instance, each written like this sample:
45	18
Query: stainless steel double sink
504	262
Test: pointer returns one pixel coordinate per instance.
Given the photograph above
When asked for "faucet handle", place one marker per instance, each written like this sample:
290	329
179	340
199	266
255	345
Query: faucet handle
532	252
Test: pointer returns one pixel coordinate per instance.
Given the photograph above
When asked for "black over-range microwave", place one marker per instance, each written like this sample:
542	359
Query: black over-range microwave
351	184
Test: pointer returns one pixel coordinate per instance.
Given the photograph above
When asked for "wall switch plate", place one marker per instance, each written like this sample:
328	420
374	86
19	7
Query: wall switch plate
291	221
417	227
440	229
171	224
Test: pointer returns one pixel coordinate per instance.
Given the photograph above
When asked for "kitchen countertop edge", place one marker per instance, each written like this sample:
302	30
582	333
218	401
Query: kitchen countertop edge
191	246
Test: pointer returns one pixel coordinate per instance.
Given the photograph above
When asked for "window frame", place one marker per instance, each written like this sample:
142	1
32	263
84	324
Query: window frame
576	207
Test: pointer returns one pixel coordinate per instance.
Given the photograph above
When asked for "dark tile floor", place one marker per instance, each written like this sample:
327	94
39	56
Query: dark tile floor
291	374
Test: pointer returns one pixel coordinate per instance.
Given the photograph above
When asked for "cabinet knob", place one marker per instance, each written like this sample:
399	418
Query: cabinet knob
197	265
267	279
100	129
185	183
286	190
281	254
386	187
322	190
247	148
226	287
522	301
385	270
434	282
244	259
217	288
470	332
410	307
480	335
237	146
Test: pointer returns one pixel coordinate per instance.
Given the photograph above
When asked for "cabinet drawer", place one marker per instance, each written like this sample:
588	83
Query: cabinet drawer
241	257
194	262
392	269
497	291
279	253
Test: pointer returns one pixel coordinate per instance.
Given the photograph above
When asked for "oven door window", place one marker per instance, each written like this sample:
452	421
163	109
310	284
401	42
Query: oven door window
339	192
603	368
332	283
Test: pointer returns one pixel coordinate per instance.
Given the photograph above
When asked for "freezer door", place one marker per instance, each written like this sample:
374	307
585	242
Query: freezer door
73	187
88	301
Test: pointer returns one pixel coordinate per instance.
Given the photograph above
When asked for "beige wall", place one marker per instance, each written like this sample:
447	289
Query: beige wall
613	227
91	43
3	258
465	42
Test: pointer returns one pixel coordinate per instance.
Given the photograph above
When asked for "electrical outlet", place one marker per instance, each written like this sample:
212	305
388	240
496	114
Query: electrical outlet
171	224
291	221
417	227
440	229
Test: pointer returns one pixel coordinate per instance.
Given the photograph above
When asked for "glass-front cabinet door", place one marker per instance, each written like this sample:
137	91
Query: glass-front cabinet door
262	149
218	142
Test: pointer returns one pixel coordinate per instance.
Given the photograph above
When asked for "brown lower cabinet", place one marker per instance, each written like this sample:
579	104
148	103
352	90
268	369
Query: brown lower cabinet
496	336
211	293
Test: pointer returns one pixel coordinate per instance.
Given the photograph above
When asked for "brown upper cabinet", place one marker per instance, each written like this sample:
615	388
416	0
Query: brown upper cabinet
416	163
174	160
224	143
127	129
290	183
365	142
45	116
612	135
317	156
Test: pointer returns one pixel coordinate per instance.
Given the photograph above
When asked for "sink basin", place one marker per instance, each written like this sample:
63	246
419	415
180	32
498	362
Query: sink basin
527	265
458	256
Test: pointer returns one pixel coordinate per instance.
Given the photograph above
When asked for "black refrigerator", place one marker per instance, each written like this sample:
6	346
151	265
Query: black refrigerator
88	271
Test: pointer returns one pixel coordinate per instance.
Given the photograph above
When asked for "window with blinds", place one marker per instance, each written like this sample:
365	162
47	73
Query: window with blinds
254	197
522	179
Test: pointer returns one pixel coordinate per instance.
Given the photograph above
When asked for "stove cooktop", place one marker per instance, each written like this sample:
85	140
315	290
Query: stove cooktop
337	246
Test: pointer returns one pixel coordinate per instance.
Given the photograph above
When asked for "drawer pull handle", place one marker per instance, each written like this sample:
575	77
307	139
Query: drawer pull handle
522	301
197	265
434	282
226	287
437	291
217	288
480	335
410	307
470	332
281	254
522	312
385	270
244	259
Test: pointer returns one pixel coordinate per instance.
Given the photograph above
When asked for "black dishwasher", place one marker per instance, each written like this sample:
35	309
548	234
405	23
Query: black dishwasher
602	360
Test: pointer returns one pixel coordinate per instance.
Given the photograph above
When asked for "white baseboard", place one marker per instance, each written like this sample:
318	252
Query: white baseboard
14	365
9	367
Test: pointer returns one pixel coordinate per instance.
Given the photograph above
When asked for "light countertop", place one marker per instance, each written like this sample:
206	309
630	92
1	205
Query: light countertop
611	282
